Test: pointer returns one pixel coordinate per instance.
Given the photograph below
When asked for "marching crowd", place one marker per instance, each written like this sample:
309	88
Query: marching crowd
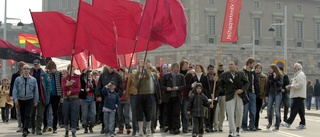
172	96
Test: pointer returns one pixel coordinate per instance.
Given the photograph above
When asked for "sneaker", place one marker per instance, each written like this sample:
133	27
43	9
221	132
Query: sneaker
285	125
253	129
149	132
232	134
74	134
301	127
207	130
49	129
194	135
25	133
245	129
238	131
20	130
134	133
141	133
45	129
268	126
112	135
275	129
120	131
185	131
166	129
54	131
66	133
177	132
39	132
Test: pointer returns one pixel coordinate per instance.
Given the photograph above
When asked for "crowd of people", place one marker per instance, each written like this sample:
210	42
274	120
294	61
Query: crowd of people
174	96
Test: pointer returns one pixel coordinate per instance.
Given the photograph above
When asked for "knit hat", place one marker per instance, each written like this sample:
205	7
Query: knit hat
164	66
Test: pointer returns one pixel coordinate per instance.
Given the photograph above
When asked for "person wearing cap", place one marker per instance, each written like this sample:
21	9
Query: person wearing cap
15	111
111	103
25	95
44	89
162	107
71	87
108	75
221	105
4	104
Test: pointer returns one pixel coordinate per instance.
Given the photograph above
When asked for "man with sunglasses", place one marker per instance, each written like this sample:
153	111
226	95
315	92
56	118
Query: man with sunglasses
25	95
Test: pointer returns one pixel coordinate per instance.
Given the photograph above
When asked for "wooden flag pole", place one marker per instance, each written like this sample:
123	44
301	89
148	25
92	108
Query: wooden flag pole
215	82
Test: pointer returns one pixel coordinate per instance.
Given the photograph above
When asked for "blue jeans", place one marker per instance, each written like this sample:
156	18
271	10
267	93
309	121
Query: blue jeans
123	114
5	113
308	101
88	113
251	108
109	119
135	126
184	115
50	116
274	98
70	110
317	100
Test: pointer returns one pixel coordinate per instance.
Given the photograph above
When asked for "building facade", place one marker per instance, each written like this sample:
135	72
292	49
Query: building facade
206	17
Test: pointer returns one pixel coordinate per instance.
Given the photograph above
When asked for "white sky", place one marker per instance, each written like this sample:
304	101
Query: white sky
20	9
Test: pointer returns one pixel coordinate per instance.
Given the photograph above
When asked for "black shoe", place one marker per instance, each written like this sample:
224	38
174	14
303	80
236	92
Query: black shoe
102	132
39	132
211	130
171	132
220	130
245	129
200	135
268	126
207	130
25	133
177	132
166	129
253	129
90	129
45	129
74	134
258	128
78	128
194	135
86	130
54	131
276	129
66	134
185	131
33	131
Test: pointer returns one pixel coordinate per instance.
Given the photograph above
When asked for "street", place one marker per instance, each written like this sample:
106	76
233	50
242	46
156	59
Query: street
313	122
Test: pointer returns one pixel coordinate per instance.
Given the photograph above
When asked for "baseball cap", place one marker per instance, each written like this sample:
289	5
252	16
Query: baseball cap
220	63
36	62
113	83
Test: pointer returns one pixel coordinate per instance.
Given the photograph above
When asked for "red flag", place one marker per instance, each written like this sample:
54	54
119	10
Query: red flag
32	48
95	63
96	33
56	33
231	21
160	62
11	62
81	60
164	21
124	60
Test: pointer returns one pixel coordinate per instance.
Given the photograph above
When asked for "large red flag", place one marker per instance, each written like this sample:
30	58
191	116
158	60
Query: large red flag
124	60
164	21
32	48
96	33
80	60
231	21
56	33
127	16
95	63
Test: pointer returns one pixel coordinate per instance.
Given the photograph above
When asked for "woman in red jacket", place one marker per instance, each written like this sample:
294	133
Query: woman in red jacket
70	106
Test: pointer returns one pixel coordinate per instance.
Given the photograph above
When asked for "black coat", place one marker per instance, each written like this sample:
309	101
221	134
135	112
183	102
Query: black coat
256	82
286	82
205	84
157	89
104	80
274	85
196	104
317	89
167	82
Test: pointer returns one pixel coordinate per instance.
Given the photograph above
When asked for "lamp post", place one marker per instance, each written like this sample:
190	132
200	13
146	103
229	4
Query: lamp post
253	44
285	43
4	62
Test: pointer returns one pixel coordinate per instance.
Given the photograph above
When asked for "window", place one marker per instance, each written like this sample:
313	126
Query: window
318	31
211	1
211	40
318	10
278	28
318	64
299	30
299	44
278	6
299	7
256	26
256	42
256	4
69	4
278	43
211	24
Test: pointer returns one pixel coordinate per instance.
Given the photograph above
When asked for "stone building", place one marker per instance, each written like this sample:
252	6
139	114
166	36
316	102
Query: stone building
205	19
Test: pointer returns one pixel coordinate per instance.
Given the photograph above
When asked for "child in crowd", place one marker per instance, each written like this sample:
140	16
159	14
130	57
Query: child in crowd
111	103
197	101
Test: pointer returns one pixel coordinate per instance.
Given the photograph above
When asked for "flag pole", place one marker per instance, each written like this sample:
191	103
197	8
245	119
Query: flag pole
215	82
88	71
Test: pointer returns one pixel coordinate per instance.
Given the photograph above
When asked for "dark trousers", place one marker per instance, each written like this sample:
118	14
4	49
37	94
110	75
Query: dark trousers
197	125
25	110
60	115
259	102
37	114
210	119
100	114
297	107
163	115
286	105
54	101
13	114
5	113
174	113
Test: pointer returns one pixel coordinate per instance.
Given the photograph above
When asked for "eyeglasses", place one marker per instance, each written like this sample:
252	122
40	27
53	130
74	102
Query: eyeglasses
26	68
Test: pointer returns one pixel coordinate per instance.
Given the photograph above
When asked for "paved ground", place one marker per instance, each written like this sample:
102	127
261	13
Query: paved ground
313	130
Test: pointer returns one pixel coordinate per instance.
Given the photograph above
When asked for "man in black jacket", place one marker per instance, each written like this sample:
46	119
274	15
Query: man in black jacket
317	93
235	84
285	95
105	78
15	112
253	92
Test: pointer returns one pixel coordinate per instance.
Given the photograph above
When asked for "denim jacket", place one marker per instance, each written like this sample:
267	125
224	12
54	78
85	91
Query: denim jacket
23	91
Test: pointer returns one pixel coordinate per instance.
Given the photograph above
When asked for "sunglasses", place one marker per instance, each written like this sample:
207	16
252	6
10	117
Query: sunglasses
190	67
26	68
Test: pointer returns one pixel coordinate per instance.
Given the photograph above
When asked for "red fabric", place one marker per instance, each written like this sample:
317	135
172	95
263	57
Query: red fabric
95	63
96	33
231	21
32	48
124	60
164	21
80	61
124	86
75	88
56	33
160	62
11	62
6	44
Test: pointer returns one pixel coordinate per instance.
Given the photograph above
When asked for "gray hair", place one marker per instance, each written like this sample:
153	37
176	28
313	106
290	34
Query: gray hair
298	66
175	65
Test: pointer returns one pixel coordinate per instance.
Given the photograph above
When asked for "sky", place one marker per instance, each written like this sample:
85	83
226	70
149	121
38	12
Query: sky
19	9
